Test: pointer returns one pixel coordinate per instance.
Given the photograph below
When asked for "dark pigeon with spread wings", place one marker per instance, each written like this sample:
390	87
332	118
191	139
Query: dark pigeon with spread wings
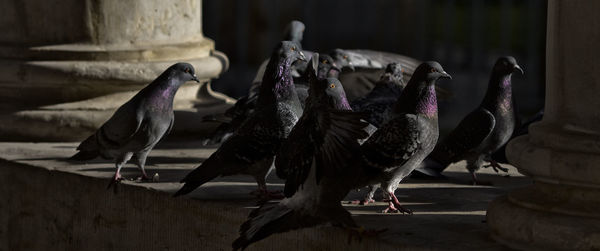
315	156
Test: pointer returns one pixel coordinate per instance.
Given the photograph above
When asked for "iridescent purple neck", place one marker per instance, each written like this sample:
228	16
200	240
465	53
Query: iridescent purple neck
427	103
162	96
342	103
277	83
418	98
499	93
284	83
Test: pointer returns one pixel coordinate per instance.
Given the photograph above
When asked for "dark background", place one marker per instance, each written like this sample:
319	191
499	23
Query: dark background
466	37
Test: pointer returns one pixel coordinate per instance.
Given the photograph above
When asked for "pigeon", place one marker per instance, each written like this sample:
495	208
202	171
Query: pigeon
335	94
233	117
251	149
245	105
138	125
383	96
484	130
294	32
410	134
314	156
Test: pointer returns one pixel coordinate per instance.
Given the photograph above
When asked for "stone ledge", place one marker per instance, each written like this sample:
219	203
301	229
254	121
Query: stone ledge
55	204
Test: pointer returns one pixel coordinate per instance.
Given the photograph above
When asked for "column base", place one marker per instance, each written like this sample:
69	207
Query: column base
530	229
560	211
69	97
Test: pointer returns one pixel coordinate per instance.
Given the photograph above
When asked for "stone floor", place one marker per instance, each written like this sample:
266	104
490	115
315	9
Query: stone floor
448	214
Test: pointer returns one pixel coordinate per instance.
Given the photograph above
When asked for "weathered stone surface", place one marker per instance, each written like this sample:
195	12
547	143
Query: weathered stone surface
561	153
54	204
96	52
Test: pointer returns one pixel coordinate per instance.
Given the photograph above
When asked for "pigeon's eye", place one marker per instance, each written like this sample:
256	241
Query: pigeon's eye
433	70
332	85
345	57
293	49
187	70
325	61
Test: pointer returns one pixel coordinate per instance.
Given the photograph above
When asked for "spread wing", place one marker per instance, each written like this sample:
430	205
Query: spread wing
329	145
393	144
467	136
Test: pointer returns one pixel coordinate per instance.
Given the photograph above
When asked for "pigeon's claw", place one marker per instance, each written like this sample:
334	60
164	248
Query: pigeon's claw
496	166
115	180
395	207
362	202
366	201
390	209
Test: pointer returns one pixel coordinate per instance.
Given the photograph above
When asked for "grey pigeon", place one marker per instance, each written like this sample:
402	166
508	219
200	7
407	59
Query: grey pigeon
251	149
138	125
485	129
233	118
294	32
315	156
245	105
398	146
383	96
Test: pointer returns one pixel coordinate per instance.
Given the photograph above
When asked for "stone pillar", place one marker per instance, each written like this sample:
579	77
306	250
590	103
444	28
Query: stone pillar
561	210
66	66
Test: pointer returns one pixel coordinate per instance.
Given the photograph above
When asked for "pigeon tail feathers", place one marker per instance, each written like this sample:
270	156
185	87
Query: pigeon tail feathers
202	174
269	219
85	155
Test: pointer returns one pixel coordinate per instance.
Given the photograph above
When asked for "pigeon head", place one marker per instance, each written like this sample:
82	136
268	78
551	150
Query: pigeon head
430	72
325	90
294	31
507	65
342	59
327	67
184	72
393	72
290	51
334	91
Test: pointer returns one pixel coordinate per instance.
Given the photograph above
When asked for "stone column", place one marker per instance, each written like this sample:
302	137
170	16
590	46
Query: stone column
65	66
561	210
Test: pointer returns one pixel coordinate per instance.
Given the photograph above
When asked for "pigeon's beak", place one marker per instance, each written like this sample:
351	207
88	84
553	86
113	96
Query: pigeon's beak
336	67
446	75
351	66
301	56
195	78
518	68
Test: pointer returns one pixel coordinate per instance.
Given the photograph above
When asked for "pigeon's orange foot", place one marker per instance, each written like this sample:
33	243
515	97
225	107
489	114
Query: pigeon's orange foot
116	180
362	202
395	207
